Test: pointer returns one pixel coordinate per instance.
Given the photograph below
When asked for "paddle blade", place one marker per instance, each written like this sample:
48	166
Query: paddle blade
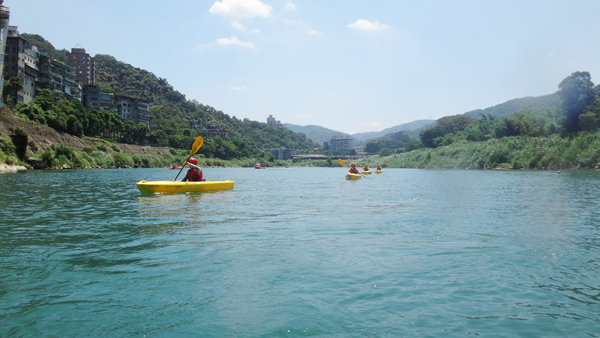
341	161
197	144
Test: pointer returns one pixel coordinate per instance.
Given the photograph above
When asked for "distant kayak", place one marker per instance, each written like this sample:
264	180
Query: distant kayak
366	172
351	176
169	187
175	167
378	171
259	167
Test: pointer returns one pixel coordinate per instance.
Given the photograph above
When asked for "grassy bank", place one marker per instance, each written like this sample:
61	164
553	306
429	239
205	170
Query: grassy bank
104	156
519	152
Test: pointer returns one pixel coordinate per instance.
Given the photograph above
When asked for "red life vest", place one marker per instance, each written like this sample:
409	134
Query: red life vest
354	171
193	175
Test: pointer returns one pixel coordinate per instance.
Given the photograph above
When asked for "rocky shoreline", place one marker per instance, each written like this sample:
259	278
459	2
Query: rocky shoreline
6	168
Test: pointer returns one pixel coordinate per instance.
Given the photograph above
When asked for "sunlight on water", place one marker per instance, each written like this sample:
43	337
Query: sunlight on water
301	252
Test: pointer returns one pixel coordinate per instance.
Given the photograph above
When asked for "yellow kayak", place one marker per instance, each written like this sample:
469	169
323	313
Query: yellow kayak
378	171
350	176
366	172
160	187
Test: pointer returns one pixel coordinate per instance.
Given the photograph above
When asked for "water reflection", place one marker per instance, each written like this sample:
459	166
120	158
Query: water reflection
161	212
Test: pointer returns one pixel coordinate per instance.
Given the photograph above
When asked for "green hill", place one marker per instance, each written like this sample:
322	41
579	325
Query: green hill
406	128
514	106
316	133
176	119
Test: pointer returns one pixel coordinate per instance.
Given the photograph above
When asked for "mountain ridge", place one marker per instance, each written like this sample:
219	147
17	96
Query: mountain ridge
501	110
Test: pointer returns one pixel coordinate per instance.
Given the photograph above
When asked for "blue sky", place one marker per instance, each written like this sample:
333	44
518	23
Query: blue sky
347	65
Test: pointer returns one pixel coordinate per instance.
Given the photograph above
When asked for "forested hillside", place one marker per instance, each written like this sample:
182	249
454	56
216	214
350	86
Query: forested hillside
176	120
514	106
316	133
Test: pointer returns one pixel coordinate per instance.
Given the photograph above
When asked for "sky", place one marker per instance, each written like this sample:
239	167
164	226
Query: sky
347	65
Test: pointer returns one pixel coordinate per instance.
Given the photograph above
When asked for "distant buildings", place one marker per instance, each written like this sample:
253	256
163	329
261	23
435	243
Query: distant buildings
4	16
131	108
339	143
37	70
281	154
273	123
84	65
76	79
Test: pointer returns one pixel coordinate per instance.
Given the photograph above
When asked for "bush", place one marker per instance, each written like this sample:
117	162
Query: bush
48	159
6	145
17	131
33	146
64	150
102	159
101	147
122	160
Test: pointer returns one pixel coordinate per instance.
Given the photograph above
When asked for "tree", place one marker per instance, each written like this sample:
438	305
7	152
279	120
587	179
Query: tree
577	92
440	133
141	131
11	87
385	152
128	135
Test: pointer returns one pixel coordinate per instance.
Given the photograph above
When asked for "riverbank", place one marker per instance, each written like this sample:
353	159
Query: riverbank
6	168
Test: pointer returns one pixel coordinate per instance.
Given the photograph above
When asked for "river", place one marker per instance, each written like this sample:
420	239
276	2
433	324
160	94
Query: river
301	252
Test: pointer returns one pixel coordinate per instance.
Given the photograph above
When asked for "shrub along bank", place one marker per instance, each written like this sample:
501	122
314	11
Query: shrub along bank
104	156
543	153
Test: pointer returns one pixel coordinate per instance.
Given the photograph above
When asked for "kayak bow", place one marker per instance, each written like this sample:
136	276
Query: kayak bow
351	176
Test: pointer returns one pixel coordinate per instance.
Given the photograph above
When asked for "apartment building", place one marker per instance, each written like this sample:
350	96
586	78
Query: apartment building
84	65
76	79
340	143
274	123
4	17
131	108
37	70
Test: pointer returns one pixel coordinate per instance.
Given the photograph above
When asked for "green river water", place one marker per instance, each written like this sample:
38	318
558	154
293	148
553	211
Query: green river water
301	252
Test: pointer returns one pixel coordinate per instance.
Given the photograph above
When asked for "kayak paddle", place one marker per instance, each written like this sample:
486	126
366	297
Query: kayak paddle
195	147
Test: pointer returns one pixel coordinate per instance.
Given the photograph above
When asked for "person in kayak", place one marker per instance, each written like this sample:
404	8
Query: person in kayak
366	168
194	174
378	166
353	169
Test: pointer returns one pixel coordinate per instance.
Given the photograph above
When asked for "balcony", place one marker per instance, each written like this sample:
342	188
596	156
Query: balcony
4	13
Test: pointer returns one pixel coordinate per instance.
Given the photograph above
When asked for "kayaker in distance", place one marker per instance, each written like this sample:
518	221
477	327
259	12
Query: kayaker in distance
194	174
353	169
378	166
366	168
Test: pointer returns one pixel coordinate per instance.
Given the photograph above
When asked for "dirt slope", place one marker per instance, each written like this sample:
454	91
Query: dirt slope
45	137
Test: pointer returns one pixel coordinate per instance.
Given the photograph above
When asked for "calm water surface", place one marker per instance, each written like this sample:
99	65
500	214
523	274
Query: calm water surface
301	252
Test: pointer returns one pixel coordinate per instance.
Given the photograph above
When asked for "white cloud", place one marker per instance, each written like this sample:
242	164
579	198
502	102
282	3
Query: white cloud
290	6
234	41
241	9
243	28
313	32
237	88
366	25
